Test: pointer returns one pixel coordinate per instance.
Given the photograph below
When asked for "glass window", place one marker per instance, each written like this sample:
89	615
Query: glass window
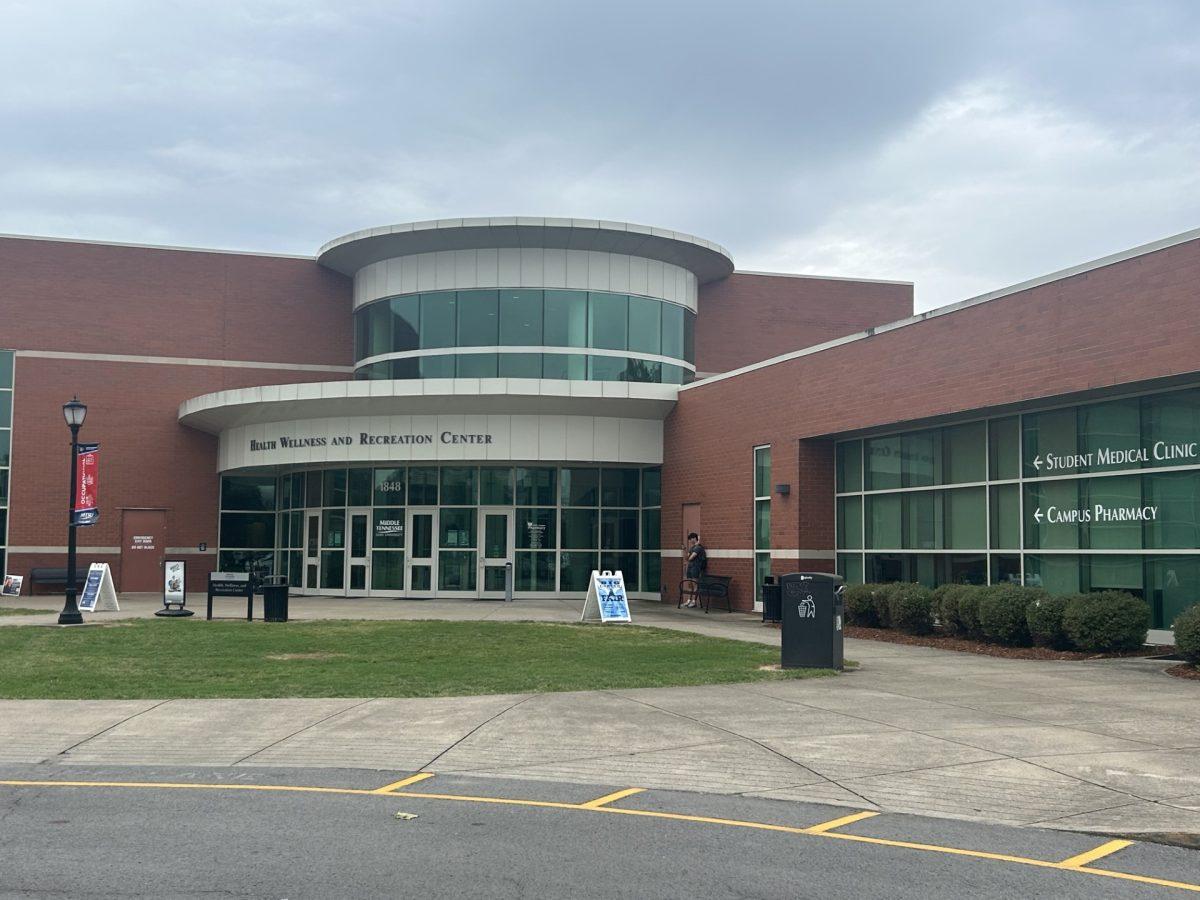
387	570
923	523
388	522
580	529
5	445
254	530
285	492
1006	517
437	366
762	568
884	521
652	487
6	407
619	487
333	569
689	336
675	374
1172	586
921	458
580	487
642	370
1171	423
6	368
1051	443
575	569
762	471
883	463
608	321
651	529
1174	498
3	496
406	322
312	488
849	466
618	529
534	572
569	366
520	365
389	486
521	318
672	330
359	487
964	449
536	487
477	365
566	319
966	519
478	318
438	315
1053	515
625	563
1004	451
645	325
849	523
606	368
457	527
456	570
1109	433
422	486
261	561
334	493
1114	504
250	492
401	369
379	328
333	528
495	486
459	486
536	529
651	572
762	524
850	567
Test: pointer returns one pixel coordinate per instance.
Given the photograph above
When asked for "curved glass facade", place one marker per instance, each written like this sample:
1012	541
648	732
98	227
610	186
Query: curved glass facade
526	318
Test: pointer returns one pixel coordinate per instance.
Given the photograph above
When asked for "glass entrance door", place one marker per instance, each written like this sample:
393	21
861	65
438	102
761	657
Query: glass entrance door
495	551
312	551
421	564
358	559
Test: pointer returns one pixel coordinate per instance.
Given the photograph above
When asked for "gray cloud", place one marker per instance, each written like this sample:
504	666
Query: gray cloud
963	146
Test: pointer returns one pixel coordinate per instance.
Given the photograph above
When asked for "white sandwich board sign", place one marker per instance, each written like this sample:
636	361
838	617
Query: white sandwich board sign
606	601
99	594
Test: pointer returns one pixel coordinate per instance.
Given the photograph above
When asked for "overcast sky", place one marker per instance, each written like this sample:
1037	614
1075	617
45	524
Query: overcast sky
960	145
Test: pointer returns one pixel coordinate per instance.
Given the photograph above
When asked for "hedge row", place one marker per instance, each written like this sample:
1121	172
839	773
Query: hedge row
1010	614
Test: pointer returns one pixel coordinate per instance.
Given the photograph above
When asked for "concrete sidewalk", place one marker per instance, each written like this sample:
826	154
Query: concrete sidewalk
1107	746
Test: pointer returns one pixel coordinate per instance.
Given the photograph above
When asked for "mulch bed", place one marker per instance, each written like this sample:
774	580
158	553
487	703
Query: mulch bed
966	645
1185	670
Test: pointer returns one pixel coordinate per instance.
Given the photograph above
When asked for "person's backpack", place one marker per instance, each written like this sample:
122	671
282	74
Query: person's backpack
703	559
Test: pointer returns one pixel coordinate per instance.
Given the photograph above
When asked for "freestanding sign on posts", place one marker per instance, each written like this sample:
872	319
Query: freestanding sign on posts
85	504
174	589
231	584
99	594
606	601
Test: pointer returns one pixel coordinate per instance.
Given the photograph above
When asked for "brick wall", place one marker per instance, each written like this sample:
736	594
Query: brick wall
747	318
1129	322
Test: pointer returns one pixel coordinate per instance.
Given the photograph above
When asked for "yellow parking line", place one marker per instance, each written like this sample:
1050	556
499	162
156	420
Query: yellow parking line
1074	864
403	782
611	798
1094	854
838	823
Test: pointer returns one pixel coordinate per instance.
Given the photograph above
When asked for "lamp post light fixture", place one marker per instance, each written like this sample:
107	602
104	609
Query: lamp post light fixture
74	412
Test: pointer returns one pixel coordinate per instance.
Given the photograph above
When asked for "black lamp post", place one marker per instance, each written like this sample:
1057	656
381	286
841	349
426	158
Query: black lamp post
74	412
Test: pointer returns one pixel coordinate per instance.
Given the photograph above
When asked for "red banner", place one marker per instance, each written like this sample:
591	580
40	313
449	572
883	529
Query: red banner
87	482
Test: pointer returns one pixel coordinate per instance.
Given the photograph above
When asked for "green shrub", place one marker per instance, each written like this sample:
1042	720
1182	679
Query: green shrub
860	605
910	608
967	609
945	607
1187	634
882	596
1044	616
1002	613
1106	621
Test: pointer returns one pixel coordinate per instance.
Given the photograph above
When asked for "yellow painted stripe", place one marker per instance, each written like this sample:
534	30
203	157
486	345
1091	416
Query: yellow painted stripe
611	798
617	810
1094	854
838	823
403	782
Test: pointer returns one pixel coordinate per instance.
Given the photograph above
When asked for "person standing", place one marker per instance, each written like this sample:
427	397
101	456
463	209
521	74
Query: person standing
697	562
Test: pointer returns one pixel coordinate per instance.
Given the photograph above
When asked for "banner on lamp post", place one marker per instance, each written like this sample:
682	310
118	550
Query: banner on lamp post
87	479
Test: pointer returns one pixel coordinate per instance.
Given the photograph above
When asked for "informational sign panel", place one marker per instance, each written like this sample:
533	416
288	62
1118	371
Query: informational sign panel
99	593
174	582
12	585
228	584
87	474
606	601
536	532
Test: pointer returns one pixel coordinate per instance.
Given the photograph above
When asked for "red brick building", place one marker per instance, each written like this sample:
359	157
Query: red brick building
417	406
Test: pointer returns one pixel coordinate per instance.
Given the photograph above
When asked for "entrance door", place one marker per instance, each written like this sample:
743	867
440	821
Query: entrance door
143	548
496	549
312	551
421	564
358	557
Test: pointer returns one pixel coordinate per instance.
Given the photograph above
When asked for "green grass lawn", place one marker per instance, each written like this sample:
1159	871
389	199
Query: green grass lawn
162	659
17	611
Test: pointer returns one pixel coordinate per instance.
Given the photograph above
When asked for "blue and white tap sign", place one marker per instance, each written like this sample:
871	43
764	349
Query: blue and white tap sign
606	601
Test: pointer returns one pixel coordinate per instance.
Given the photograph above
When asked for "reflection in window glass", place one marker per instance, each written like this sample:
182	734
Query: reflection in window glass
459	486
478	319
642	370
387	570
849	523
966	519
456	570
1052	433
5	443
379	328
923	523
618	529
849	466
6	368
566	319
619	487
645	325
389	486
964	448
358	488
1006	517
477	365
520	365
333	528
580	487
249	492
883	463
1108	427
406	321
569	366
521	318
534	572
606	368
580	529
884	521
921	458
575	569
438	315
423	486
436	366
672	330
608	320
334	493
495	486
1176	497
536	487
1004	451
247	530
652	487
1172	421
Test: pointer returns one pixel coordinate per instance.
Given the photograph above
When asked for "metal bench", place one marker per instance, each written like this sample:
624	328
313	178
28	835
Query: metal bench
51	576
705	589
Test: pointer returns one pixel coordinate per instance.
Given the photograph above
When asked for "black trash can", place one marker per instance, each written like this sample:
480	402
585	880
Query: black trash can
813	610
771	600
275	598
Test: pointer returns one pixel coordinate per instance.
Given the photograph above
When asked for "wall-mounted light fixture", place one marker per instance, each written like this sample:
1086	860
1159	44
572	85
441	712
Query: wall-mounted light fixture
783	489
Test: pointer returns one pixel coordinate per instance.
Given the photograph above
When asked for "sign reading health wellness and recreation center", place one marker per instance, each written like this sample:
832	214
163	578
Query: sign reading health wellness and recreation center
365	439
